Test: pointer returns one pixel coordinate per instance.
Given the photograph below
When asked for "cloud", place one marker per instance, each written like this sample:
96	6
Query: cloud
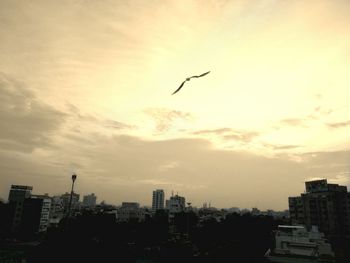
213	131
229	134
96	120
317	113
27	122
159	183
293	122
341	178
282	147
241	136
112	124
337	125
165	118
167	166
121	167
132	163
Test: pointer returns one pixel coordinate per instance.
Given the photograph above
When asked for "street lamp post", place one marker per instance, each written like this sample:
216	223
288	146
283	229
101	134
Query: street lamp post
74	177
188	219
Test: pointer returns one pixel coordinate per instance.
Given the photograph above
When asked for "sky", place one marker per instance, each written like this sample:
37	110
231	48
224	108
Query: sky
85	88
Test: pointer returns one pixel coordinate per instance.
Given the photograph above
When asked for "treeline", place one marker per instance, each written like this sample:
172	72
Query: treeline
98	238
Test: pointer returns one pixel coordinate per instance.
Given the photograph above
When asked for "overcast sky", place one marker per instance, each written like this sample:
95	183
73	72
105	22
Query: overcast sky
85	88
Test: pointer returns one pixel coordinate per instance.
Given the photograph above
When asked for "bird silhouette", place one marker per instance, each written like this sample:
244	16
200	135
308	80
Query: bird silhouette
188	79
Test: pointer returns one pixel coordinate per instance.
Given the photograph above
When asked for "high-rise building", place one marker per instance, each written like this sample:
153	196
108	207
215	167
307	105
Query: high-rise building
56	210
36	212
30	212
324	205
176	204
19	192
17	195
158	200
75	201
89	200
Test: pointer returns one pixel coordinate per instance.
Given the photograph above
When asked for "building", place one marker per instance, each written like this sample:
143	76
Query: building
35	216
56	210
75	201
5	219
130	205
324	205
17	195
19	192
130	211
176	204
29	213
157	200
89	200
296	244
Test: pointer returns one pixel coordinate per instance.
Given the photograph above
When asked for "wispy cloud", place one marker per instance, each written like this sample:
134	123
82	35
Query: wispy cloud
79	116
28	122
213	131
164	118
318	113
156	182
337	125
242	136
294	122
342	178
282	147
229	134
117	125
167	166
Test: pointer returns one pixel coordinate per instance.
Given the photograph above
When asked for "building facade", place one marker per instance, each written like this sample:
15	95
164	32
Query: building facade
36	213
176	204
75	201
130	211
157	200
17	195
56	210
89	200
324	205
29	213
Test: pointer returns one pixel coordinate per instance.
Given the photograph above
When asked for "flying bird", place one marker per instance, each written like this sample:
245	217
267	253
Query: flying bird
188	79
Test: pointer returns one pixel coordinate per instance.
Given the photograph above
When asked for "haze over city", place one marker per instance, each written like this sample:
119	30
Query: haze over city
85	88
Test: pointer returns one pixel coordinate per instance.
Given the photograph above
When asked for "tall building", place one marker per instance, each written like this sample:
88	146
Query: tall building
19	192
75	201
89	200
176	204
56	210
324	205
36	212
158	200
30	212
17	195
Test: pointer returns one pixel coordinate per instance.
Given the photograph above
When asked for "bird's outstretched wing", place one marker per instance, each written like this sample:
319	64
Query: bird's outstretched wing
179	87
198	76
204	74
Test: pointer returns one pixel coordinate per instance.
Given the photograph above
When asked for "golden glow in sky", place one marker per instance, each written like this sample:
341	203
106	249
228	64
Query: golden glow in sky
278	90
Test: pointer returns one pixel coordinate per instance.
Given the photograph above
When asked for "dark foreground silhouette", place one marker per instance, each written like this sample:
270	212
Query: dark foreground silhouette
99	238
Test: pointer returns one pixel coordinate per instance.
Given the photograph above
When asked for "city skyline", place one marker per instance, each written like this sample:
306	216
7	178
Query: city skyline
85	88
88	201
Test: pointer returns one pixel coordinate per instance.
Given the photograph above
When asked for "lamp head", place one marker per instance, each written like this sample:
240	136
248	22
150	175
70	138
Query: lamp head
74	177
